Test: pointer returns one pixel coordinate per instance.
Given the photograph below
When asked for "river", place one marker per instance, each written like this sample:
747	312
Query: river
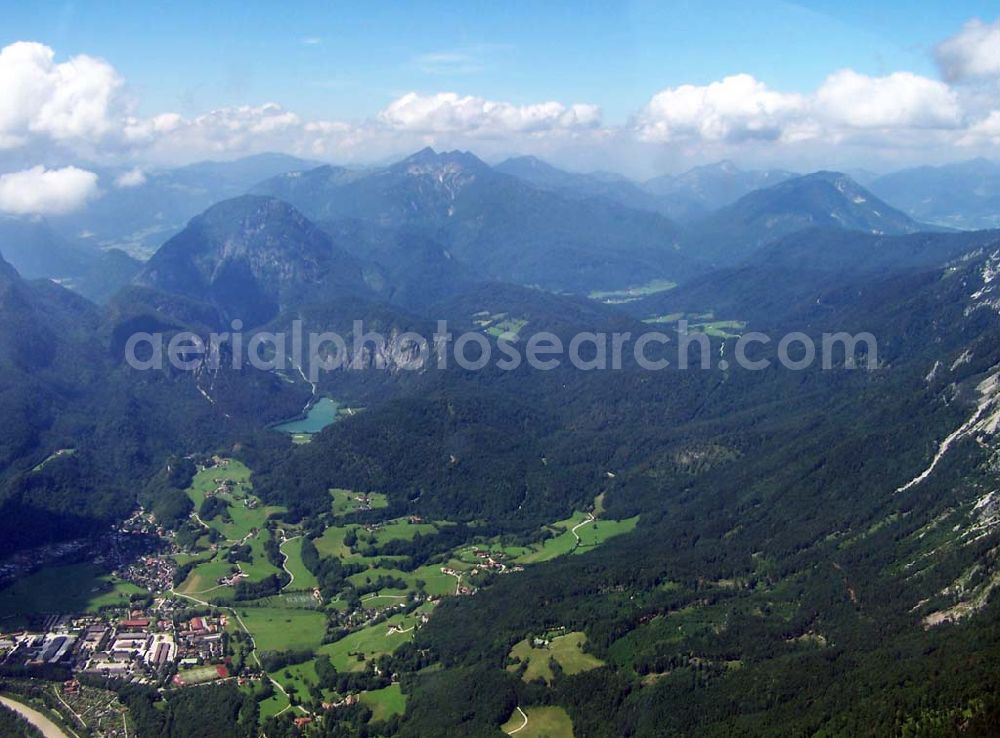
48	728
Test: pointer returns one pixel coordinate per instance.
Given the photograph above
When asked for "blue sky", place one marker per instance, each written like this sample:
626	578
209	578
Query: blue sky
637	87
193	56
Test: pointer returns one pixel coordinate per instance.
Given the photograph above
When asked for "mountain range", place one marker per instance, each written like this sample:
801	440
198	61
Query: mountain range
961	195
801	552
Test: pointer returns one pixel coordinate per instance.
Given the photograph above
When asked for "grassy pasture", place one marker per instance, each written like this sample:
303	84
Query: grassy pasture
385	703
370	642
543	722
567	650
304	579
277	629
346	502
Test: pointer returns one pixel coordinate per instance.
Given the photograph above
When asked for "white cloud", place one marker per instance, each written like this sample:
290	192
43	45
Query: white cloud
76	99
132	178
447	112
233	129
974	52
41	191
985	131
848	104
77	108
898	100
733	109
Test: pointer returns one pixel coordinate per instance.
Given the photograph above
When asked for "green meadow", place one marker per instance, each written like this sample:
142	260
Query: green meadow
566	649
385	703
277	629
346	502
543	722
303	578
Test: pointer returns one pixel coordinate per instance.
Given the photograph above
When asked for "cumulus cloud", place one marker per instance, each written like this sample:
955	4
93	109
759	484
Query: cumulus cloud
972	53
898	100
741	108
78	107
75	99
132	178
41	191
985	131
447	112
735	108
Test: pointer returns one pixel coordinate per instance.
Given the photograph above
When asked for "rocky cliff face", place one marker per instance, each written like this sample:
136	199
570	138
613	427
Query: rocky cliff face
252	257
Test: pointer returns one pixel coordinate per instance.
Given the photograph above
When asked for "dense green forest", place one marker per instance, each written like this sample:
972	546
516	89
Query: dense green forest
782	579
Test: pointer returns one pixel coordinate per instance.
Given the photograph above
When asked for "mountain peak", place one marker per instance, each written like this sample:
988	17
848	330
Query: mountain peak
524	162
725	166
428	159
251	256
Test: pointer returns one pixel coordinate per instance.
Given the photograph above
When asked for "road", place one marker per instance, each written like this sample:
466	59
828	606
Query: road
253	644
523	725
284	563
590	519
45	726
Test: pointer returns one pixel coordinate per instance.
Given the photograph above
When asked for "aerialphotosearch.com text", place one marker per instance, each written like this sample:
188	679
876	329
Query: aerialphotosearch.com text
315	352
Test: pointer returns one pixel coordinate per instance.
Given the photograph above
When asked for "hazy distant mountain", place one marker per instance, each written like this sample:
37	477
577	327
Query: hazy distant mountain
822	199
496	225
963	195
139	217
795	271
252	256
37	252
712	186
574	184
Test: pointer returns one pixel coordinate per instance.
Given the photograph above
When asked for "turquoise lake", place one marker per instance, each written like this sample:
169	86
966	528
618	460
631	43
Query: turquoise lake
320	415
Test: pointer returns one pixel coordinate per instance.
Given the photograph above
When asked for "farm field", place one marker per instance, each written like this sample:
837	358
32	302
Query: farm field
204	578
596	533
542	722
576	534
372	641
244	512
277	629
617	297
331	543
346	502
272	705
297	679
497	324
566	649
385	703
302	577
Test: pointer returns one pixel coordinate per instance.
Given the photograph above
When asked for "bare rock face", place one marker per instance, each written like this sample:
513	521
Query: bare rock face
252	257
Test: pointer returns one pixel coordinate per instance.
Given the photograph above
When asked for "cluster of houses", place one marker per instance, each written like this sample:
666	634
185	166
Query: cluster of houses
200	640
153	573
492	561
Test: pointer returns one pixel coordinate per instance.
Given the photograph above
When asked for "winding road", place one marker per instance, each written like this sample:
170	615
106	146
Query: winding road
253	644
284	563
590	519
523	725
